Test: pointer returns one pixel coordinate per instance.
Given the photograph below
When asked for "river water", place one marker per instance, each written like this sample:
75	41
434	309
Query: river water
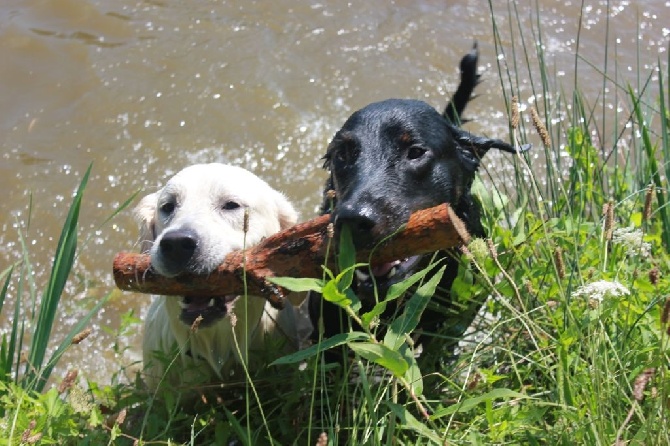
143	88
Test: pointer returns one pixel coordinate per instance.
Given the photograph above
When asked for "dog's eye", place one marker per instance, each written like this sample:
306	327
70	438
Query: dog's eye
415	152
167	208
230	205
346	153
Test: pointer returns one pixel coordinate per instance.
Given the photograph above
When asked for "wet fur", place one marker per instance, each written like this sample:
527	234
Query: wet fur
392	158
189	226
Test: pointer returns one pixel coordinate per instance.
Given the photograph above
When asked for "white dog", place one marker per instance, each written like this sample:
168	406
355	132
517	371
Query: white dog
189	226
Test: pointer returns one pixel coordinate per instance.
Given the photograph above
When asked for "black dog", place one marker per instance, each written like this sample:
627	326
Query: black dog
392	158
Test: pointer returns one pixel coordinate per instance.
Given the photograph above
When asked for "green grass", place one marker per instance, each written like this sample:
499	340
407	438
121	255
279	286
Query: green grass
575	348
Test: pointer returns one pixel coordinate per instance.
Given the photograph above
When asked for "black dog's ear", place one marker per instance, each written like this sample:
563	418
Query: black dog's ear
326	161
478	146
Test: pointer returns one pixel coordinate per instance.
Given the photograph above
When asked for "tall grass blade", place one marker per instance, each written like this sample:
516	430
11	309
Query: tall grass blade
10	356
8	274
6	351
654	171
62	266
664	115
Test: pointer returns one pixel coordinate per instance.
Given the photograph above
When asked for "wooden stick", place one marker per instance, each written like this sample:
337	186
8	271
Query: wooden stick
296	252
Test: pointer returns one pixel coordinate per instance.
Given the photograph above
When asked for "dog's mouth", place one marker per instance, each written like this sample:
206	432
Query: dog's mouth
384	275
211	309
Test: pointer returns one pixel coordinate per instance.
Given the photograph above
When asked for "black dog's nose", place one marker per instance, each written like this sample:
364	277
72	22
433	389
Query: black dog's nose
177	248
360	222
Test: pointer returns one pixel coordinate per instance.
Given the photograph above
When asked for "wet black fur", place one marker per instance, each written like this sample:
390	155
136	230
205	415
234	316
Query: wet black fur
392	158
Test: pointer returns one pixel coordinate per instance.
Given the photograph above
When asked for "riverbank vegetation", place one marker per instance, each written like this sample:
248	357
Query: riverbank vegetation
573	345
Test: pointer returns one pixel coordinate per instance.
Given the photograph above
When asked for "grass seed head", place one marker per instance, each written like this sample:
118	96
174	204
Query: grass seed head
539	126
654	275
608	213
246	220
641	383
477	250
196	324
81	335
31	439
459	226
322	440
492	248
560	265
122	417
25	437
68	381
646	213
665	314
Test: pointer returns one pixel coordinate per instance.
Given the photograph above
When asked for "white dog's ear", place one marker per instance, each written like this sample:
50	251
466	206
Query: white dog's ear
288	216
145	213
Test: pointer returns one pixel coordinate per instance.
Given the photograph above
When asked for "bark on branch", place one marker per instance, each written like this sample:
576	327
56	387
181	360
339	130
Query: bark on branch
299	251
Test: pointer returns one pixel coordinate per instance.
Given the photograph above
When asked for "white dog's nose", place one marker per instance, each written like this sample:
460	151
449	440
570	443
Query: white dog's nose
177	248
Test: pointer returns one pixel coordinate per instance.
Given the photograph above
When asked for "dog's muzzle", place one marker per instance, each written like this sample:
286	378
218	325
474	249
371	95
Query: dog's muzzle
211	309
384	275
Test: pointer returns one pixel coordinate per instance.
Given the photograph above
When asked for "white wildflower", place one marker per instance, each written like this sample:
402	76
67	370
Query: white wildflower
632	240
601	289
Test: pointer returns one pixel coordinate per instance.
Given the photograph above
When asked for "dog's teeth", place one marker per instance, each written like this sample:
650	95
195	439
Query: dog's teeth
211	302
361	276
392	272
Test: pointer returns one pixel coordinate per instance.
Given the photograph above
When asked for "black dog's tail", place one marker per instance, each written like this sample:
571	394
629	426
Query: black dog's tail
469	80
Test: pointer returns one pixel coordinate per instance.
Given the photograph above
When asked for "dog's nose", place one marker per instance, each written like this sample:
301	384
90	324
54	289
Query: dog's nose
360	222
177	247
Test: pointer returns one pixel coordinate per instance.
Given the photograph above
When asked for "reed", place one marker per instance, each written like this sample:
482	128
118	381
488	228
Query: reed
572	346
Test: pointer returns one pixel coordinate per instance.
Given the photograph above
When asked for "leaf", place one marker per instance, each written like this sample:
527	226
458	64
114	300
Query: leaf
61	268
409	319
491	200
378	309
380	354
355	301
346	258
413	374
635	219
298	285
240	431
338	339
470	403
408	421
398	289
395	291
332	293
518	219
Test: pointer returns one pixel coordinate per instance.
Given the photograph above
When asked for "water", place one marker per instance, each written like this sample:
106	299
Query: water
142	88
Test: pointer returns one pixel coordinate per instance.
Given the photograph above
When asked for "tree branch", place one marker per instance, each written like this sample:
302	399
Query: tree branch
296	252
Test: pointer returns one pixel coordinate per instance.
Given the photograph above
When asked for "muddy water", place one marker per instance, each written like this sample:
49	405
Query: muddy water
142	88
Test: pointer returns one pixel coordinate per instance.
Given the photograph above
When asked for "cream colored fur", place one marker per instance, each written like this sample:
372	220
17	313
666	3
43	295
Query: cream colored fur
199	194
